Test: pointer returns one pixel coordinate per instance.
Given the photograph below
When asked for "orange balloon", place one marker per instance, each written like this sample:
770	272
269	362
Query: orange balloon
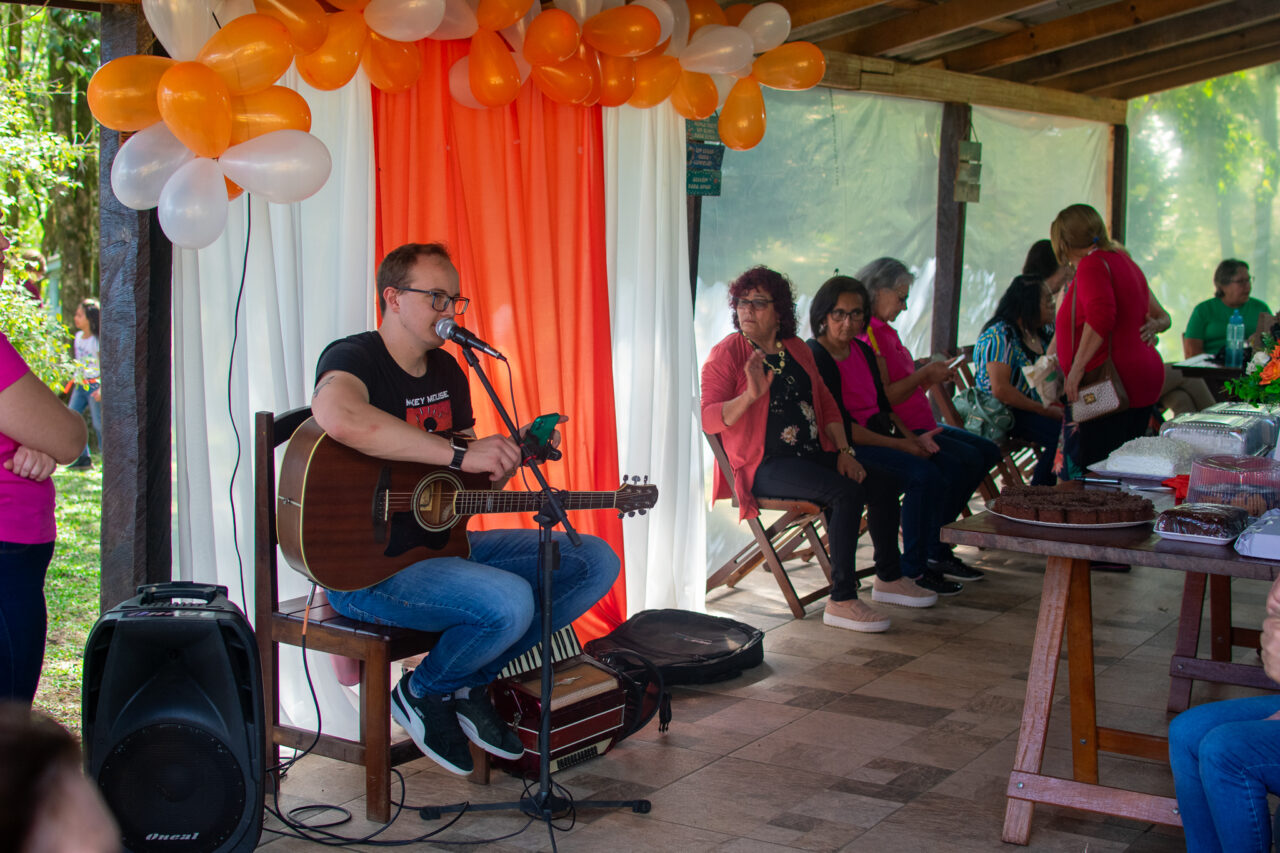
500	14
622	31
274	108
234	190
196	105
552	37
589	55
392	66
794	65
336	61
702	12
566	82
695	95
305	20
734	14
656	76
742	120
495	79
352	5
617	80
249	53
122	93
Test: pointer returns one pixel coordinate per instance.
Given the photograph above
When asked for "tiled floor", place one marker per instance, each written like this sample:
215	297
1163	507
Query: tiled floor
848	742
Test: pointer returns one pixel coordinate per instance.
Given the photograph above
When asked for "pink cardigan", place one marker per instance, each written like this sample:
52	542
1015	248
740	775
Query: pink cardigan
722	380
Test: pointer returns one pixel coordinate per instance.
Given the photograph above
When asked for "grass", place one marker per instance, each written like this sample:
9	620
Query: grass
71	591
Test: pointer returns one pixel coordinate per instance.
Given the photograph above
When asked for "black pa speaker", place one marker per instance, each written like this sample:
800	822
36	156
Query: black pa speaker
173	726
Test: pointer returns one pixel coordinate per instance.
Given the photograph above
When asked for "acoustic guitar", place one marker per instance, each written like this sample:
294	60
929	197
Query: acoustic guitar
348	521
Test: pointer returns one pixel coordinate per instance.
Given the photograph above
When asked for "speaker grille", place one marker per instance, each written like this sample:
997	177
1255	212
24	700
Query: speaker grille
173	787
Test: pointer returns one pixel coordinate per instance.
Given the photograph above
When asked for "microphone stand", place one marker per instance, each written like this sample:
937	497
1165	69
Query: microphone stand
544	805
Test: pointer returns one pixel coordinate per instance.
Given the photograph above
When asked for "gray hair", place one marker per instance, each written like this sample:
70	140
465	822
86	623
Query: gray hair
882	274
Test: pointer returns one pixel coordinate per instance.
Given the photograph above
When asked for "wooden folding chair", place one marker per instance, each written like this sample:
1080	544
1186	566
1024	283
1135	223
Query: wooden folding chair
793	535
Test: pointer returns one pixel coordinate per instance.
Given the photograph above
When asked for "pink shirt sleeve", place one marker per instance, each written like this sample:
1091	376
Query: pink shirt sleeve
1097	295
12	367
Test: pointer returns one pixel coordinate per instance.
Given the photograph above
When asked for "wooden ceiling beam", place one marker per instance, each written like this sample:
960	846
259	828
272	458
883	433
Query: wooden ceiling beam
1162	62
815	20
1066	32
1193	26
1196	73
925	24
886	77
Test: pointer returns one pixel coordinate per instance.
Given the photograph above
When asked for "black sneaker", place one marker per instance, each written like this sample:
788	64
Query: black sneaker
939	584
433	724
483	727
953	569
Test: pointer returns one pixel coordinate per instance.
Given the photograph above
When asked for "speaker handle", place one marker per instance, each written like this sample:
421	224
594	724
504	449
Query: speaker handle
153	592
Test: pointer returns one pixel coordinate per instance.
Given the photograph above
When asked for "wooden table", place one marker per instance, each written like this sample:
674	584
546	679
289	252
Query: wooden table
1214	375
1065	604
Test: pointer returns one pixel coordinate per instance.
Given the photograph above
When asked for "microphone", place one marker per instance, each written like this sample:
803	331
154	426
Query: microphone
451	331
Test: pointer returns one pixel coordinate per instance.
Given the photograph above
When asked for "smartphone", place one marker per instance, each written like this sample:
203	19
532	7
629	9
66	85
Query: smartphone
955	362
541	429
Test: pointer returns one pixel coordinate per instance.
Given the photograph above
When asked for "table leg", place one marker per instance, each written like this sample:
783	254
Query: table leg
1084	708
1220	617
1188	640
1041	677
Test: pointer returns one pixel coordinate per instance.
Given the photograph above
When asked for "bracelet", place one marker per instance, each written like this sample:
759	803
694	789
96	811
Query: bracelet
459	451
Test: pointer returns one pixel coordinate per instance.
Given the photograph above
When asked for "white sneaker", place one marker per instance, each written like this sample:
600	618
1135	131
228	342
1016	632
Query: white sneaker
904	592
855	616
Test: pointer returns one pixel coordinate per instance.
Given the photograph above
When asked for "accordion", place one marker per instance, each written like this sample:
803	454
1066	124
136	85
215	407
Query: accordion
588	706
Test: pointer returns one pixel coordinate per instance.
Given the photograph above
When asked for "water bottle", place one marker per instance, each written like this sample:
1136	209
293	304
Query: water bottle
1235	340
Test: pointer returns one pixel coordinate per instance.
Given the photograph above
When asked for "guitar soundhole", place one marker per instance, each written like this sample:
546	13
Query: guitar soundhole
433	501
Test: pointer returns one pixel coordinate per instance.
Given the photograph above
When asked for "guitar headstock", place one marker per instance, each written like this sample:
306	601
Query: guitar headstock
635	497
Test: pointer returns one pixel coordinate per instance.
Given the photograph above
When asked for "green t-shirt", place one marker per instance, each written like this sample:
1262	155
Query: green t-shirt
1208	321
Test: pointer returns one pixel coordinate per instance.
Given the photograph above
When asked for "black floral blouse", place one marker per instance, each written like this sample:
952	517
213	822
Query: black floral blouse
792	427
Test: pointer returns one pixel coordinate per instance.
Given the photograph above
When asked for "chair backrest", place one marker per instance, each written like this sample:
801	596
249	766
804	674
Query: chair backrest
270	431
722	462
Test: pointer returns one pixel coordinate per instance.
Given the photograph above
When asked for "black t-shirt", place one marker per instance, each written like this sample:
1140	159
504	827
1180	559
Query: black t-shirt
437	401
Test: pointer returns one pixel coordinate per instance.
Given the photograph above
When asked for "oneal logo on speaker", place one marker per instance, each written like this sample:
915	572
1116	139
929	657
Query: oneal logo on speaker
172	836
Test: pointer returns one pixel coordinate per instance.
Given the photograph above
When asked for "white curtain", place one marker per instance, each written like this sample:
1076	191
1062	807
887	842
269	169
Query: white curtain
308	279
654	357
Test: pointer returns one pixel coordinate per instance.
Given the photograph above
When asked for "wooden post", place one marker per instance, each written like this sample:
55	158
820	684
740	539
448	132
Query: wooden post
694	203
1119	179
956	121
135	261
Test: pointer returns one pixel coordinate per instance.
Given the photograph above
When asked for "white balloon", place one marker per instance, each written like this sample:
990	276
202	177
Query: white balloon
716	49
662	11
228	10
145	163
282	166
680	27
404	20
183	26
724	85
460	84
580	9
768	24
514	34
193	205
459	21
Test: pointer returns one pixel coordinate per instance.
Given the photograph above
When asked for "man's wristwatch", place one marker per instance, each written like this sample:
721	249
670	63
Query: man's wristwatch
459	451
848	451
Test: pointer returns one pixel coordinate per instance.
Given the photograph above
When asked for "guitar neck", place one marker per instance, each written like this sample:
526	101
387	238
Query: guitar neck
481	501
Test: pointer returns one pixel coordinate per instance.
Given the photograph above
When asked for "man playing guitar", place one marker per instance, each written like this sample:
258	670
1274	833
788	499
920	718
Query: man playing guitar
387	394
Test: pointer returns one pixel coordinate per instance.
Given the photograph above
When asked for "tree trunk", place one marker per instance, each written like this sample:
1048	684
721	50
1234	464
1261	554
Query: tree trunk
1264	196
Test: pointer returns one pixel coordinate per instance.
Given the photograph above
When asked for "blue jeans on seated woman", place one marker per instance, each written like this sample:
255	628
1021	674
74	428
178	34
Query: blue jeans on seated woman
962	461
1225	758
23	618
487	607
921	484
1043	432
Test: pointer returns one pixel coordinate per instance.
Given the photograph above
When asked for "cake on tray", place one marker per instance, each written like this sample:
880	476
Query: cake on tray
1054	505
1153	456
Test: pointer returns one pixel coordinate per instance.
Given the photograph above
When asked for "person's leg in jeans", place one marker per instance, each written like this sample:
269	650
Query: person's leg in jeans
882	488
79	401
1225	756
95	413
962	461
921	486
23	618
843	498
1043	432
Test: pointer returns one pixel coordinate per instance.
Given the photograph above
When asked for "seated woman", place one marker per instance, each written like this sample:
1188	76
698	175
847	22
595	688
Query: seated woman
962	458
1207	328
886	447
1042	262
783	434
1014	338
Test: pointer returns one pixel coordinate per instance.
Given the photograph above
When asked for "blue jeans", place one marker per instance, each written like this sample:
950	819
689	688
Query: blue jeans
1043	432
921	485
962	461
22	618
486	608
82	397
1225	757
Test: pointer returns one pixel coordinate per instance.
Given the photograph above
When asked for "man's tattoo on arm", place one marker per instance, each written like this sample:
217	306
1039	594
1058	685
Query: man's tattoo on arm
323	382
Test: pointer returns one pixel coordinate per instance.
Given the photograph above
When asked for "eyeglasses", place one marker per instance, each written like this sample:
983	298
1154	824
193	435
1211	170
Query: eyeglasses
840	315
756	304
1246	280
440	301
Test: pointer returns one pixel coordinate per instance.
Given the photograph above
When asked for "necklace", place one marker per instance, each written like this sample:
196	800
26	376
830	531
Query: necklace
781	354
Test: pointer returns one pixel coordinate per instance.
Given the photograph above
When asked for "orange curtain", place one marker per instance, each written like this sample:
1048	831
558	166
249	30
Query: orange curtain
518	195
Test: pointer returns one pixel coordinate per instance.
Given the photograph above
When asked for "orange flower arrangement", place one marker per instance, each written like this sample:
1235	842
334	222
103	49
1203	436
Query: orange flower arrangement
1258	384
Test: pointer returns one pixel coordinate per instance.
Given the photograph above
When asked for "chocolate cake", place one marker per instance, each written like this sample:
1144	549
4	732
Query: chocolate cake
1217	521
1054	505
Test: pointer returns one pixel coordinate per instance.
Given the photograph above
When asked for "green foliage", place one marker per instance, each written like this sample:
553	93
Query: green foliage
40	339
1260	381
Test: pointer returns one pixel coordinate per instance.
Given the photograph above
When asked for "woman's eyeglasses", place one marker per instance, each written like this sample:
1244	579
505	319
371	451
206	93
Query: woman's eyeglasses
840	315
440	301
755	304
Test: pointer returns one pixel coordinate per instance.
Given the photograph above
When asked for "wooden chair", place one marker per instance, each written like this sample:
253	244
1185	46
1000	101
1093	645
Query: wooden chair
285	622
1186	666
794	535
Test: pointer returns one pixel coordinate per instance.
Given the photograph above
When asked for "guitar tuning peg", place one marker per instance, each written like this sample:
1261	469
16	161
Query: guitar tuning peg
632	514
646	478
620	515
635	479
643	511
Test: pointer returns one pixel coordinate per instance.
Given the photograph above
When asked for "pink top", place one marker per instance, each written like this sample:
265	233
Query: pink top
915	411
857	386
26	507
722	380
1111	295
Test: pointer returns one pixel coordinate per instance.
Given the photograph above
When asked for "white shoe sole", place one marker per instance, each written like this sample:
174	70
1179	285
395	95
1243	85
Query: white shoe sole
469	729
855	625
904	600
412	724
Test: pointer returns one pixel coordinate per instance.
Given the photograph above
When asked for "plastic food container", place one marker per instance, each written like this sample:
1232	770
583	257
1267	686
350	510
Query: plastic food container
1216	433
1267	416
1249	482
1210	524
